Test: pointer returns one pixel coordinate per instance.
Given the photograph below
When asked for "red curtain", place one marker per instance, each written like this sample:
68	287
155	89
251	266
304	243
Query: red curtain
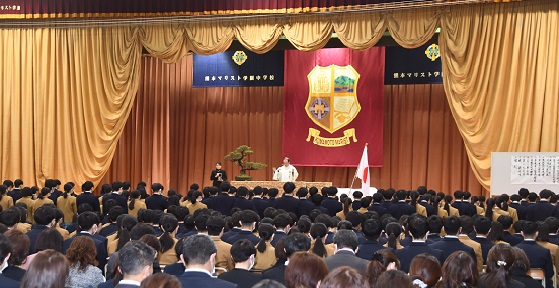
176	133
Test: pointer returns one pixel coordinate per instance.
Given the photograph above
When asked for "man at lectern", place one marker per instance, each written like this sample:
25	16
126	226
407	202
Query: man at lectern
285	173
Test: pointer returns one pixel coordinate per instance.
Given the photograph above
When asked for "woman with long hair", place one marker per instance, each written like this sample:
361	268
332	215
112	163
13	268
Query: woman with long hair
125	224
394	278
346	208
194	202
393	233
42	199
265	252
305	270
382	261
318	234
5	200
83	270
500	259
169	225
459	271
346	277
134	205
48	270
425	270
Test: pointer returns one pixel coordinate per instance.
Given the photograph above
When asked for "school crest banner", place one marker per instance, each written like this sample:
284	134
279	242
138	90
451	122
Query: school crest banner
329	117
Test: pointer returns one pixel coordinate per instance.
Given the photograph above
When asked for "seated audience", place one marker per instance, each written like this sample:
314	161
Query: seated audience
249	219
294	242
5	253
450	243
169	224
44	219
243	254
214	227
371	229
318	234
81	256
135	262
539	256
161	280
88	222
346	243
425	270
519	270
394	278
49	269
459	270
381	261
499	262
305	270
48	239
198	256
345	276
20	251
265	252
418	228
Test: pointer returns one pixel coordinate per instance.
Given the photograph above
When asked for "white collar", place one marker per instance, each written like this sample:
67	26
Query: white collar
346	249
129	282
198	270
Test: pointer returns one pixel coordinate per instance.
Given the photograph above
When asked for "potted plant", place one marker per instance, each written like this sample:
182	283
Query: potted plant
239	157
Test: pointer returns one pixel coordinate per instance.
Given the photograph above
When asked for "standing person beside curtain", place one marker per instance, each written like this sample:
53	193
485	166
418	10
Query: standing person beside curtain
218	175
286	173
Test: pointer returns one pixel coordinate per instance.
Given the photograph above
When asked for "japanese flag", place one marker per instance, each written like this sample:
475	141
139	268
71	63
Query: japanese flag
363	172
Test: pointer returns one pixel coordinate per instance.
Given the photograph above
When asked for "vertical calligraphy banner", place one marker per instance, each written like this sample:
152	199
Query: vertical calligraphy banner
333	105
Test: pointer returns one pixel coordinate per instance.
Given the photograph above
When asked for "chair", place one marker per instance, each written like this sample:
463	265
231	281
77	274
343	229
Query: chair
219	270
537	274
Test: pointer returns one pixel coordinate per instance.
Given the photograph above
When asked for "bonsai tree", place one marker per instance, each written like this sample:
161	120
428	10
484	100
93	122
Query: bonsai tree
239	157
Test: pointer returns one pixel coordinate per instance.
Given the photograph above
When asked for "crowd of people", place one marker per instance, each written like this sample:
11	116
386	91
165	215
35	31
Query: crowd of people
297	238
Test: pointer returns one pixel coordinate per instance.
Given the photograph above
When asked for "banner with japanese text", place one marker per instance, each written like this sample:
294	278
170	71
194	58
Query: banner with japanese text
421	65
238	68
333	106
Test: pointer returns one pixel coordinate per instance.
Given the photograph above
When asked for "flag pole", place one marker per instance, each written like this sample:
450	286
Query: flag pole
355	175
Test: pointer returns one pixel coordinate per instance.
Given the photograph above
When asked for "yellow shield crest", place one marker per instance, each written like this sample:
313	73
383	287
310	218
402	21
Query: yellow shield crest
332	102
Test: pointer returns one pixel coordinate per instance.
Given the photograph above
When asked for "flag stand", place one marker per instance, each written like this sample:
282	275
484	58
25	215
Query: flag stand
355	175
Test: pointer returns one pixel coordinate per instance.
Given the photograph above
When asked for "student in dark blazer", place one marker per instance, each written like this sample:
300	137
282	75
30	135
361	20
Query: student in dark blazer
88	223
418	228
346	244
371	229
305	206
5	250
223	202
135	261
424	201
243	253
157	201
282	223
482	227
516	204
87	197
260	204
293	243
241	200
287	202
539	256
450	243
44	219
508	237
198	254
435	227
542	209
248	219
16	193
401	207
334	206
116	195
377	205
519	270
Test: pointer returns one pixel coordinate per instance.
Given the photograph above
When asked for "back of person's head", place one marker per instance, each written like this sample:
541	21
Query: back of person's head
553	224
281	221
418	227
136	258
499	261
169	225
467	224
161	280
304	225
505	220
371	229
82	252
265	232
318	232
380	261
545	194
346	239
302	192
8	183
523	192
435	224
296	242
44	215
543	231
517	226
355	218
48	269
346	277
532	197
452	225
401	195
10	217
115	212
305	270
249	217
20	246
86	220
459	270
87	186
198	249
5	248
521	260
393	231
425	268
394	278
483	225
140	230
268	283
288	187
49	239
529	230
215	225
157	187
458	194
243	250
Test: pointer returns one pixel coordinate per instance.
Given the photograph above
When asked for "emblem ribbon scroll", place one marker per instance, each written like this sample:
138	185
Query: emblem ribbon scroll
349	134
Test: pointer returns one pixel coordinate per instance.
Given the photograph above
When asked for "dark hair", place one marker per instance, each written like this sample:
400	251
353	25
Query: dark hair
393	231
44	215
49	239
288	187
5	247
371	229
483	225
545	194
344	276
418	227
496	232
197	249
521	260
394	278
467	224
305	270
380	260
161	280
318	233
265	232
168	224
82	252
20	246
435	224
459	270
426	268
8	183
241	250
304	225
505	220
127	223
157	187
543	231
214	225
134	196
134	256
10	217
529	229
86	220
49	268
268	283
553	224
140	230
281	221
447	200
115	212
499	260
452	225
346	239
296	242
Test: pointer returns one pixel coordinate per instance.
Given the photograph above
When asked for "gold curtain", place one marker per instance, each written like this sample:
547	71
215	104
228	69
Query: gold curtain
176	133
501	78
64	105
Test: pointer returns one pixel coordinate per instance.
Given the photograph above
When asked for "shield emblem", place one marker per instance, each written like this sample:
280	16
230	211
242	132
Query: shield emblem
332	102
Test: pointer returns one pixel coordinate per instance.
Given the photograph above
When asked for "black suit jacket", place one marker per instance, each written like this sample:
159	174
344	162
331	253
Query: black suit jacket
223	203
486	245
406	254
100	245
277	236
520	210
519	275
53	196
333	206
243	204
346	258
14	273
229	233
260	204
126	286
215	179
174	269
465	208
33	234
203	280
108	230
157	202
381	210
243	234
539	256
243	278
431	210
92	200
450	245
305	207
276	274
6	282
16	194
287	203
540	211
511	238
368	248
399	209
432	238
